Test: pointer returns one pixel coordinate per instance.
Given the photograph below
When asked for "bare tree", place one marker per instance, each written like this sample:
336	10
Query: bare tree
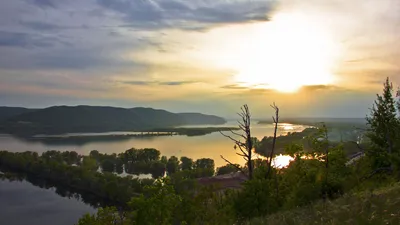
271	155
243	140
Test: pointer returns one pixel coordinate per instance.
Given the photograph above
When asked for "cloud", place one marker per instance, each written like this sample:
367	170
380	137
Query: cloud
321	88
43	3
164	83
197	15
234	87
37	25
27	40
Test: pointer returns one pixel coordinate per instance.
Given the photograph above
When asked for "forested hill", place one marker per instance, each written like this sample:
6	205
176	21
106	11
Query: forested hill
198	118
8	112
64	119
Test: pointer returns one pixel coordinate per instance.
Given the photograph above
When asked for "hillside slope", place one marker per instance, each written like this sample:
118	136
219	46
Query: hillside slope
378	207
9	112
199	118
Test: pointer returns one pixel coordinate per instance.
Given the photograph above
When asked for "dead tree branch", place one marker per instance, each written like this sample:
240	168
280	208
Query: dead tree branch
276	121
245	146
232	164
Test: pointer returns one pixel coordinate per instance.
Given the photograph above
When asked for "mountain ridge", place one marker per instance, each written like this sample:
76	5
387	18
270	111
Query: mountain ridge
83	118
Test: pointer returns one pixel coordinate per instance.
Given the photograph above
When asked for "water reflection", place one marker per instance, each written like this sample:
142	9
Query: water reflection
66	192
23	203
282	161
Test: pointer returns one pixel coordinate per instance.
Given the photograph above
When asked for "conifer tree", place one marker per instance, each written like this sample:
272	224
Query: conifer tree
383	128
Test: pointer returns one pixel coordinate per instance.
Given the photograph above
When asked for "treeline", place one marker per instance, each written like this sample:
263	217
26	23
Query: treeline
150	161
319	173
348	137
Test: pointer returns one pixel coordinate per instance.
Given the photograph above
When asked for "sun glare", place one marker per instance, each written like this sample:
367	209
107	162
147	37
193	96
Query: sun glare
285	54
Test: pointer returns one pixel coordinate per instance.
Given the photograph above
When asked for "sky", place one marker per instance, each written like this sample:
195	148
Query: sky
313	58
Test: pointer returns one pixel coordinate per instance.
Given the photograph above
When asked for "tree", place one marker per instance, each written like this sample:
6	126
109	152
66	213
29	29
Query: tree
156	205
276	121
149	154
246	145
108	165
157	169
94	154
205	163
89	163
383	129
186	163
119	166
172	165
227	169
164	159
104	216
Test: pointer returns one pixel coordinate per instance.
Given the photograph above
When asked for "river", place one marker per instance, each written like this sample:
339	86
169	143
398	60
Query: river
23	203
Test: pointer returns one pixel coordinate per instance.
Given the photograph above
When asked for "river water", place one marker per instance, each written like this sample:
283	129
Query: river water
23	203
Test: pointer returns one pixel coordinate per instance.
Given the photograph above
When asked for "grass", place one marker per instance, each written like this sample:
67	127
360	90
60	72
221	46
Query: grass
374	207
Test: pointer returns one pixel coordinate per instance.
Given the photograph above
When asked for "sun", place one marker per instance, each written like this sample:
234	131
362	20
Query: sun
286	54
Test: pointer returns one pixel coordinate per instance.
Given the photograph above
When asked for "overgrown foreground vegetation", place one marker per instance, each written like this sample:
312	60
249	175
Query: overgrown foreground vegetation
319	186
381	206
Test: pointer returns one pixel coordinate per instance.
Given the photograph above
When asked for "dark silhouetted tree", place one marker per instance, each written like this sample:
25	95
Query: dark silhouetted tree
186	163
172	165
108	165
243	141
227	169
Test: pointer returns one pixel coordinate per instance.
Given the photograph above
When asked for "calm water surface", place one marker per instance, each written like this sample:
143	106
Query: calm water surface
23	203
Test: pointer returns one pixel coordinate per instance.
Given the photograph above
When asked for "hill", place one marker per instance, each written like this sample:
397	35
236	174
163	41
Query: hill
8	112
199	118
68	119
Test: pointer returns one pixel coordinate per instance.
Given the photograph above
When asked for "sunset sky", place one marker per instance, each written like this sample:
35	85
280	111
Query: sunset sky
312	57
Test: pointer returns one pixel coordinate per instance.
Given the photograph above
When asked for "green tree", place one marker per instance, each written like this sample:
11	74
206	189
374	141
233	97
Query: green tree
164	159
186	163
108	165
172	165
89	163
157	169
383	129
205	163
156	205
104	216
94	154
227	169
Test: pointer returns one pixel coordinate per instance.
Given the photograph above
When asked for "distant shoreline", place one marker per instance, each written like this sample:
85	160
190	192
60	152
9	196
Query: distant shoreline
129	134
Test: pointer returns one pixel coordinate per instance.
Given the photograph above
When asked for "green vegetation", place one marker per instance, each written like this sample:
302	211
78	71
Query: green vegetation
370	207
95	119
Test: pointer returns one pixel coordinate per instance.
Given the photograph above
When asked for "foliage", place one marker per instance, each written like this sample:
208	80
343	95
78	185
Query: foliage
376	207
384	129
227	169
108	166
104	216
172	165
155	205
186	163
